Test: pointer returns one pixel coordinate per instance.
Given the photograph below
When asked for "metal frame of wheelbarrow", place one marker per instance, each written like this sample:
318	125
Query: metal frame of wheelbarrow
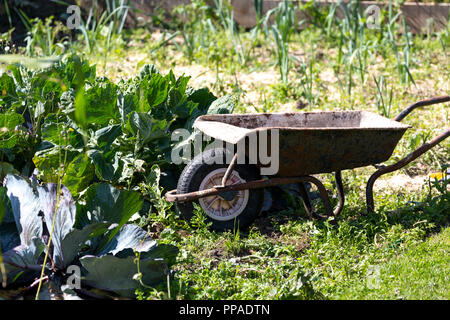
171	196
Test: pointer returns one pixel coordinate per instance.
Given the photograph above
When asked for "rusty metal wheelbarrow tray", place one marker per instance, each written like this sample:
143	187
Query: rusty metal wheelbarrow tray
313	142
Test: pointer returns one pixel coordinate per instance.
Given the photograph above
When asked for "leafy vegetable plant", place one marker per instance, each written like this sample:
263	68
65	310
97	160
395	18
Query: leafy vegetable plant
92	236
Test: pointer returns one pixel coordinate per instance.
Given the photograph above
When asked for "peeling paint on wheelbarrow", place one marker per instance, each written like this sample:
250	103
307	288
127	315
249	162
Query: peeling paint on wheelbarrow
313	142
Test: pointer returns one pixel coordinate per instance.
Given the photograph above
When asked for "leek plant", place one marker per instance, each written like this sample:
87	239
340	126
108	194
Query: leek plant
351	34
197	29
384	99
112	21
307	78
402	61
43	35
281	30
226	17
444	37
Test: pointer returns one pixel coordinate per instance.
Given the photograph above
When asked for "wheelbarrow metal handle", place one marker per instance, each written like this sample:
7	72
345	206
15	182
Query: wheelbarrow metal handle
400	164
421	103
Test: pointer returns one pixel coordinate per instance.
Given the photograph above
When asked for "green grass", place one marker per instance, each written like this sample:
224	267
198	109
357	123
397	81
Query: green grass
420	272
399	252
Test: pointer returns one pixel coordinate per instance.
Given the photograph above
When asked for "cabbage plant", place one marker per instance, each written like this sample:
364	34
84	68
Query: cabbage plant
92	236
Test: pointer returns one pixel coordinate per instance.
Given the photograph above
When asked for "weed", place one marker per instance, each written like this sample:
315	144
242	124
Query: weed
281	30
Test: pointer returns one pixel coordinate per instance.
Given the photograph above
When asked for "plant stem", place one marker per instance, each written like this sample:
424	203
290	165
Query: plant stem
58	191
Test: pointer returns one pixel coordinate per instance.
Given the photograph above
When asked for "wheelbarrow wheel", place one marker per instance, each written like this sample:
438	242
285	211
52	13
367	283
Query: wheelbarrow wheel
226	211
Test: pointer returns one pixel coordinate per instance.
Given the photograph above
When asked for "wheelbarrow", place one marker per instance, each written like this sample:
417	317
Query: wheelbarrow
231	192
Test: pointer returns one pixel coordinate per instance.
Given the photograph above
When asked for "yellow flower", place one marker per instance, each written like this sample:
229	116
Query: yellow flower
438	175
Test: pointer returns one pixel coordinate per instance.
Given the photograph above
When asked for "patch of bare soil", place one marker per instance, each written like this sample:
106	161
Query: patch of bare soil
218	251
401	182
200	76
155	230
251	83
116	69
300	242
266	227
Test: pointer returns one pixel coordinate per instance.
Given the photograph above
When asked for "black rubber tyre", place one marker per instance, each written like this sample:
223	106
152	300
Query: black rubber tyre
203	165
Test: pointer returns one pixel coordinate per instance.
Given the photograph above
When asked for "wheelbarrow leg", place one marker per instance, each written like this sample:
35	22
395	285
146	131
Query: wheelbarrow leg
305	198
409	158
340	192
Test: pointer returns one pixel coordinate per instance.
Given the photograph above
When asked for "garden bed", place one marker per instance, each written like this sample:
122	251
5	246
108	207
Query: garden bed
149	82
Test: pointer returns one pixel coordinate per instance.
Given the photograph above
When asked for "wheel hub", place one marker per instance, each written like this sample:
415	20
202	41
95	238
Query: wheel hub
227	205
